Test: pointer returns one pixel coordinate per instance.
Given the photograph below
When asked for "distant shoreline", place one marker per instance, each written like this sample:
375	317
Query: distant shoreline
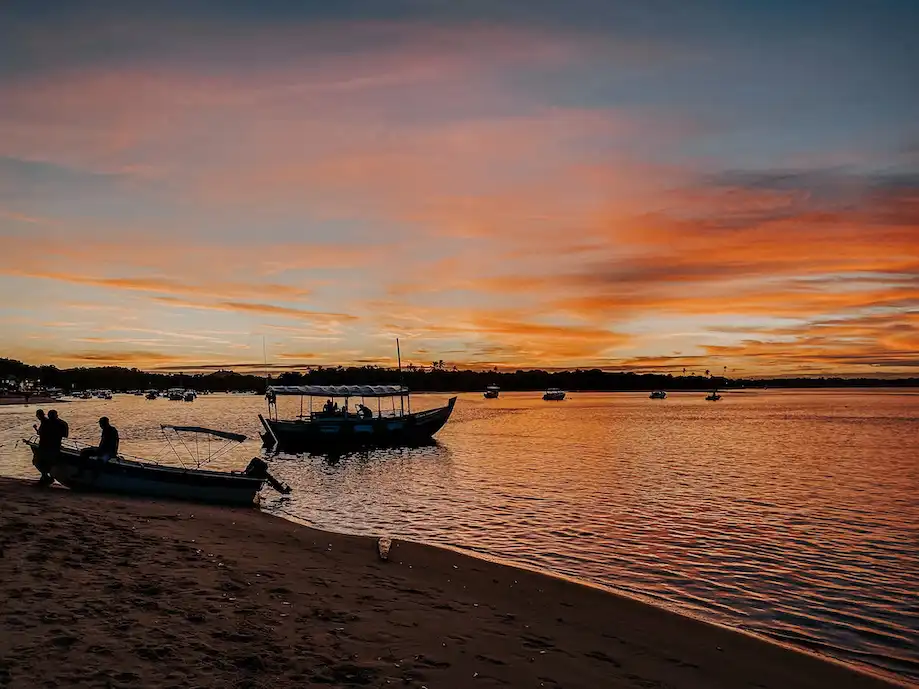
33	399
439	377
219	596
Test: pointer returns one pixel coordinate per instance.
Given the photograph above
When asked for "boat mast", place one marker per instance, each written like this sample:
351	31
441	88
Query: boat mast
399	359
265	357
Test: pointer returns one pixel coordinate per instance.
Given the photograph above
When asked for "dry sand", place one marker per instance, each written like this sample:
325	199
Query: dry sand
109	592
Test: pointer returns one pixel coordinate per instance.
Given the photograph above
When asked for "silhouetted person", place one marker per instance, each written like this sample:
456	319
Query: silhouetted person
46	452
62	426
329	407
364	411
108	443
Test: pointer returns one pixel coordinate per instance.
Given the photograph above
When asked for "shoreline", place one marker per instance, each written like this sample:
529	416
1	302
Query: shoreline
640	598
20	400
155	593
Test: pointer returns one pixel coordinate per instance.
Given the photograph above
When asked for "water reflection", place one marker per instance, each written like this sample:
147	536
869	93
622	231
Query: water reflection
789	514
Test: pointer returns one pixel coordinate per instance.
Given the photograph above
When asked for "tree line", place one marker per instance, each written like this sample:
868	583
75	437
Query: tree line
436	378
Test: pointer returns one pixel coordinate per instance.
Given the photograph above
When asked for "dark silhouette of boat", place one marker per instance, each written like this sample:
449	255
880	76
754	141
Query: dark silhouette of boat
135	476
554	395
334	427
491	392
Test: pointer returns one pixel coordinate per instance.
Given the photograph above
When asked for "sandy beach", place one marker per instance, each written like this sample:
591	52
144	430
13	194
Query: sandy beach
108	592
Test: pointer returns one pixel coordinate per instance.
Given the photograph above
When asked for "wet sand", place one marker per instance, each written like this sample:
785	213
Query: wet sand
109	592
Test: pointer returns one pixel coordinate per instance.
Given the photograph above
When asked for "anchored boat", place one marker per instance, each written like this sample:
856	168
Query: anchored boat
491	392
136	476
333	426
658	395
554	395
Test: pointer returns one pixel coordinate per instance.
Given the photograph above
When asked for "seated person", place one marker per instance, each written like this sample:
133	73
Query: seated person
108	443
364	412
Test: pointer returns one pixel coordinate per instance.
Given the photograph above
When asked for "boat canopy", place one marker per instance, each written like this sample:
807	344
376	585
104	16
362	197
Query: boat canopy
226	435
339	390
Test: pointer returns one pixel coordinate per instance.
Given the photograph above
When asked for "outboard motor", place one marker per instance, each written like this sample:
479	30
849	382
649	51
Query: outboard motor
258	468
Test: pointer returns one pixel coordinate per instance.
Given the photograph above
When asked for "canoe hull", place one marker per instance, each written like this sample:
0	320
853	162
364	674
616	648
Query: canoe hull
128	477
323	433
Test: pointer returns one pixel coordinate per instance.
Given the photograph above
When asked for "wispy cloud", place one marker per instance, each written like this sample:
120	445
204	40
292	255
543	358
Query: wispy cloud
259	309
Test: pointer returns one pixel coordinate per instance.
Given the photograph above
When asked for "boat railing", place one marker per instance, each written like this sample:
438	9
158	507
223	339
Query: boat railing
350	416
77	446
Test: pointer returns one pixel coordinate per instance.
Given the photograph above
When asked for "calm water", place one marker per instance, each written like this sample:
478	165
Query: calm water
790	514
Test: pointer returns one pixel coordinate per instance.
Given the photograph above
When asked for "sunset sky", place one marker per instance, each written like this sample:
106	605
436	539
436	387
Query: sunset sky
520	183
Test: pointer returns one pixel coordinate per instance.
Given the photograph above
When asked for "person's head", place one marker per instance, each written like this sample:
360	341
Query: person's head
40	414
103	422
52	414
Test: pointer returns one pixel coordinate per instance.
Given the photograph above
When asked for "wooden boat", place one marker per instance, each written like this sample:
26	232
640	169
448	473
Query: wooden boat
135	476
491	392
334	427
554	395
658	395
713	397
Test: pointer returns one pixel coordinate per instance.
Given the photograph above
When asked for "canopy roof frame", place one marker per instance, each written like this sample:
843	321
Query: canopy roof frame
226	435
339	390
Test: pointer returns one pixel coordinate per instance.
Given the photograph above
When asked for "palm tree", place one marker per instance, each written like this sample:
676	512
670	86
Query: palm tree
684	371
708	373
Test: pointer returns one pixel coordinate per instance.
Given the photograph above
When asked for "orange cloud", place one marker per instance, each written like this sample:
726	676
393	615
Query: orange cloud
120	358
254	308
165	285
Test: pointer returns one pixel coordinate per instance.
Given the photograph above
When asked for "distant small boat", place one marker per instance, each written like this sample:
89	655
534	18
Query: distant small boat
658	395
189	396
714	396
176	394
85	395
554	394
491	392
104	394
152	394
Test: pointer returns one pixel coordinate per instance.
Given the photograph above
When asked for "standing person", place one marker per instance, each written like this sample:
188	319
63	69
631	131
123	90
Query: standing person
48	447
40	415
62	426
